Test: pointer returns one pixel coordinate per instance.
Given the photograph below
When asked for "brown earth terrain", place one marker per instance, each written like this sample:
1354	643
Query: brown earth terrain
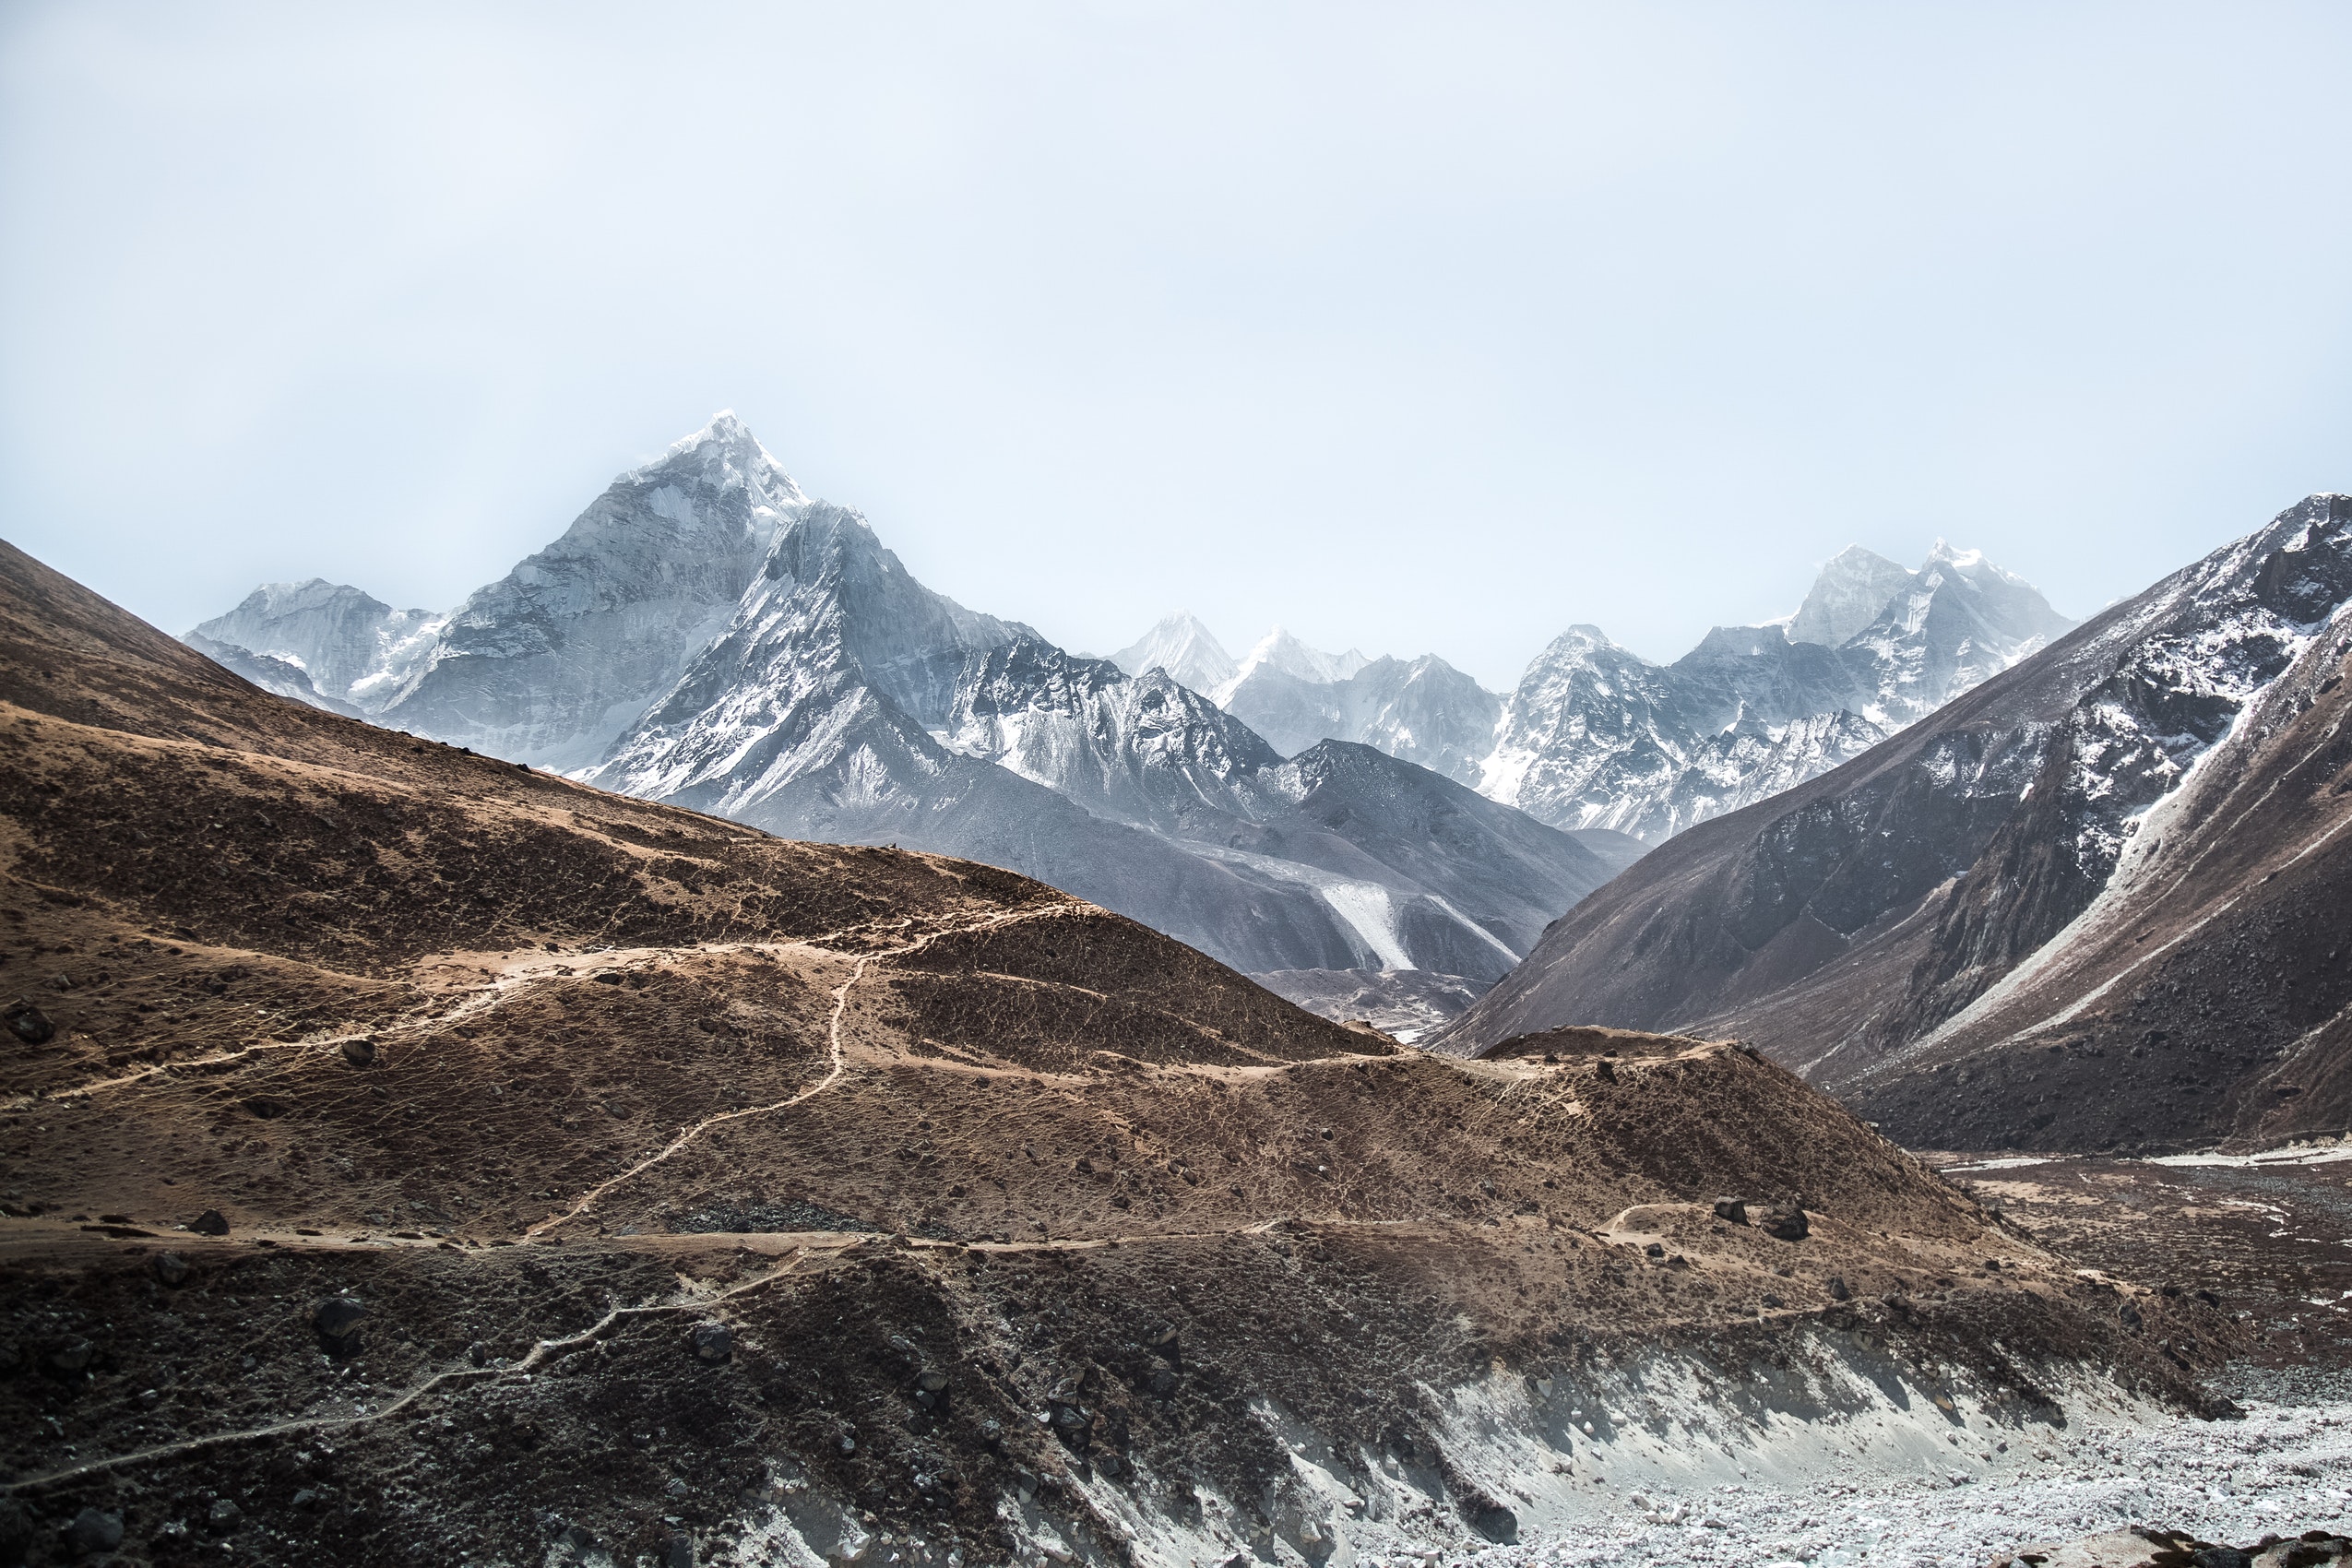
407	1157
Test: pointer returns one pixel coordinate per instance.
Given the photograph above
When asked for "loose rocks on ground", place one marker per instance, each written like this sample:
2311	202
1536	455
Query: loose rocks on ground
337	1317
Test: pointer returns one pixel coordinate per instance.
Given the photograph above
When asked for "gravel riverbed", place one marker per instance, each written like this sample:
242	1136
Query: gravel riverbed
2286	1467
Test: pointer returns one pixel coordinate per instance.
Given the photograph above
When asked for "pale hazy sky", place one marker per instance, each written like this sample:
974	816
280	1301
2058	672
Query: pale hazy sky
1430	328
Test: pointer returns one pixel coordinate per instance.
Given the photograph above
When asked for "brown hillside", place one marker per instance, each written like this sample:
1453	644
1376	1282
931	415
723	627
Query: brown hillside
701	1190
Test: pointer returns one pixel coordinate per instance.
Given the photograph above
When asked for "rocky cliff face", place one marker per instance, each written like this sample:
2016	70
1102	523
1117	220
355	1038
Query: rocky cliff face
1898	900
2202	993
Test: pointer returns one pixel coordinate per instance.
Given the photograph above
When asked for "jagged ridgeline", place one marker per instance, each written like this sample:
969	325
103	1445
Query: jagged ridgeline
2097	902
1601	742
704	634
414	1155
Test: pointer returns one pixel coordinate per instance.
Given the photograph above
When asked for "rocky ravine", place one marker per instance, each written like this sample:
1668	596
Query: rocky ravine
413	1155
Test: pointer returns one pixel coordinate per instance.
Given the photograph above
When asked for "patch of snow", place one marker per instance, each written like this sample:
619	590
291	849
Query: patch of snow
1476	930
1371	913
2331	1152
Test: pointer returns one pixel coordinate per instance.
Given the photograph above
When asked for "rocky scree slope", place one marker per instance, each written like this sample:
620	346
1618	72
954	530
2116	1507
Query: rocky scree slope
410	1153
2204	996
705	634
2079	908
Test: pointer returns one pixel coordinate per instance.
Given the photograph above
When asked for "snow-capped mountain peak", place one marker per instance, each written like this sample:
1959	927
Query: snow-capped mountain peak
1596	737
1278	650
720	458
350	647
1184	648
549	664
1581	644
725	441
1853	586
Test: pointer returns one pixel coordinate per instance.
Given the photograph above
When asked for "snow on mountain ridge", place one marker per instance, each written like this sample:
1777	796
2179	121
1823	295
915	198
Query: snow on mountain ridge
1186	649
352	647
704	632
1425	712
1596	737
1422	711
1997	884
1278	650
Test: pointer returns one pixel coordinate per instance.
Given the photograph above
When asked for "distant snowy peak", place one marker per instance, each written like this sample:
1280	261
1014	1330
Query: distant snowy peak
1184	648
721	456
551	663
1596	736
719	482
352	649
1852	588
276	604
1284	654
1584	644
1859	588
1959	621
1425	712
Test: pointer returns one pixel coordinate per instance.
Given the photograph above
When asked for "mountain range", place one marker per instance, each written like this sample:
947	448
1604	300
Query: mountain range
705	634
1596	737
2094	902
